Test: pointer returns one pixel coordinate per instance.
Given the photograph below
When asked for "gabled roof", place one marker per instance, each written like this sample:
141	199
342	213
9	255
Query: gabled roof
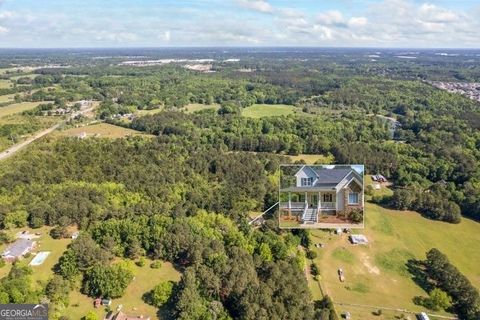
331	176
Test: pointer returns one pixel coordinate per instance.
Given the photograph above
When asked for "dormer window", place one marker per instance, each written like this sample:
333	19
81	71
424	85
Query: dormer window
307	182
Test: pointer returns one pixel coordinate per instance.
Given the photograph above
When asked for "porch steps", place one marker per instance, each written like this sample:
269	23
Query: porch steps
309	216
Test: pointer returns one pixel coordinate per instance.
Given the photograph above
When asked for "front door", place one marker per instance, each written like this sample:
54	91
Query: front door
313	201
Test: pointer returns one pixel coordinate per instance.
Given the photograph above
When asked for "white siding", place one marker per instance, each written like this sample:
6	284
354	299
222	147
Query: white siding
305	173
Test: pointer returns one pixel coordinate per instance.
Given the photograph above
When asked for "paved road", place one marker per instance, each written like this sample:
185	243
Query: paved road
10	151
13	149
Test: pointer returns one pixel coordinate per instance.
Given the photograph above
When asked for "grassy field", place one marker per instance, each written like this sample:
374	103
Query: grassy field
194	107
148	112
6	98
17	108
5	84
313	158
268	110
103	130
376	274
145	279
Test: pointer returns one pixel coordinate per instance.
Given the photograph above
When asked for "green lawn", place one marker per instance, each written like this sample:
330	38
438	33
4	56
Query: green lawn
313	158
376	274
268	110
148	112
6	98
194	107
145	279
102	130
5	84
17	108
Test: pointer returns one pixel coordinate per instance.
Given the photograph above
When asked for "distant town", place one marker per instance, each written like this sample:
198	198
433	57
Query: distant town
471	90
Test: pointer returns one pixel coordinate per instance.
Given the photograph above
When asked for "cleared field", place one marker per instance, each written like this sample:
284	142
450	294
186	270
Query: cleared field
195	107
148	112
7	98
268	110
102	130
5	84
145	279
313	158
377	274
17	108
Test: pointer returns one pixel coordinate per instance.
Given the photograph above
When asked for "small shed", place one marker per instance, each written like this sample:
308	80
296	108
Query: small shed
358	239
75	235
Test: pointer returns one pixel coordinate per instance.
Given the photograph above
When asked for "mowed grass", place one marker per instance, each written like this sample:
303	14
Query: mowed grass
195	107
377	274
5	84
102	130
17	108
145	279
313	158
268	110
7	98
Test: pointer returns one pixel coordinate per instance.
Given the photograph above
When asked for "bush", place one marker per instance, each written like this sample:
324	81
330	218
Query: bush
156	264
59	233
140	262
311	254
355	215
314	269
160	294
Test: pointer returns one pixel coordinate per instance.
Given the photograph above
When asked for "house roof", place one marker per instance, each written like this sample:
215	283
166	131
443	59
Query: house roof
122	316
330	176
18	248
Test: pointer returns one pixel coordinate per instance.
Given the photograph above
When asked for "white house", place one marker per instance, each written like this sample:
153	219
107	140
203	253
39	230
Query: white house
320	190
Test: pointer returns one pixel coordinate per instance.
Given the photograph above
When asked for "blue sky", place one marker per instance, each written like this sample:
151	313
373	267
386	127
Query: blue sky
159	23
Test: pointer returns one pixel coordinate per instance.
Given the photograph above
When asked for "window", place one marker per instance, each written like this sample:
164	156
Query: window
307	182
327	197
353	198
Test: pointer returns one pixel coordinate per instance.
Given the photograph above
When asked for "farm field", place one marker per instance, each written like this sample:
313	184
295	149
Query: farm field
268	110
194	107
145	279
313	158
6	98
148	112
5	84
17	108
376	274
103	130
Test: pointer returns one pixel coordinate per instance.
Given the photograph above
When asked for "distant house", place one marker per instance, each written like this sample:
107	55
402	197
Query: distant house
379	178
122	316
323	191
18	249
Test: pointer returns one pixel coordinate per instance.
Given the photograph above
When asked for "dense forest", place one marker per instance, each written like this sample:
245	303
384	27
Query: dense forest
183	194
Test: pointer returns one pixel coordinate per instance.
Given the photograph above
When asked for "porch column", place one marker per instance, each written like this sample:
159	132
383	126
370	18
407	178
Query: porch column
306	200
319	204
289	204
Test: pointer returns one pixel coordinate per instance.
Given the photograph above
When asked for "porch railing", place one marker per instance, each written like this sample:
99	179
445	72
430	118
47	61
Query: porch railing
293	205
327	205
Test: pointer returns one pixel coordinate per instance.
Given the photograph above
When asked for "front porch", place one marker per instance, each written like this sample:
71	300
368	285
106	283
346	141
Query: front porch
309	207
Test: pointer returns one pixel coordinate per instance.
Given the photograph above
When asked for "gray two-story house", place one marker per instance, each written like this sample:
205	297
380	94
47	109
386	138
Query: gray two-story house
320	190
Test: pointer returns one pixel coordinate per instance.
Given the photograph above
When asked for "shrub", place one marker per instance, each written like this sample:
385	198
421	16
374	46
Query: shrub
140	262
311	254
156	264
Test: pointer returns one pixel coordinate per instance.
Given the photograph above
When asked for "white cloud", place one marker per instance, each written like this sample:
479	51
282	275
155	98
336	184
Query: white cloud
257	5
357	21
3	30
167	35
332	17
